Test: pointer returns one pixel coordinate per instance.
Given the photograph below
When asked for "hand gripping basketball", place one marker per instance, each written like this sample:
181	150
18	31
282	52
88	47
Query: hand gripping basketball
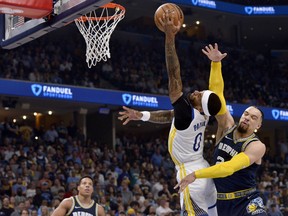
171	9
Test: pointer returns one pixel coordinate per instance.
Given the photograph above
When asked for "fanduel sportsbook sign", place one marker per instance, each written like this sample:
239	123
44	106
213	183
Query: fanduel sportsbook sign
51	91
140	100
119	98
274	10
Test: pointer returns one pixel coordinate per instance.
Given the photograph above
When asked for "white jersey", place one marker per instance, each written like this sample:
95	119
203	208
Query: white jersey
186	150
187	145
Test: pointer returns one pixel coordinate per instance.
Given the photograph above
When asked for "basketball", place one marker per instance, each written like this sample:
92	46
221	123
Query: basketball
172	8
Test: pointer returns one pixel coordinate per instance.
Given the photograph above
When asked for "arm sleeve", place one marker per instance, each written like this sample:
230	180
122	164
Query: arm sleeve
238	162
216	84
182	113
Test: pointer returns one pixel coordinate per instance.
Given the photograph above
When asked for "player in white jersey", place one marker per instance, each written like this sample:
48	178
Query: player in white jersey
189	117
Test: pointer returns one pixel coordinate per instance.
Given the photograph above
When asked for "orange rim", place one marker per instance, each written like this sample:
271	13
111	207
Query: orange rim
109	5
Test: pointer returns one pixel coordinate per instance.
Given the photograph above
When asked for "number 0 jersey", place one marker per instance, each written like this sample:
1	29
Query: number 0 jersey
187	145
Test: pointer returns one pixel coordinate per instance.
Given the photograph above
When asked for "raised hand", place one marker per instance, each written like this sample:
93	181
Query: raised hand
128	115
213	53
167	21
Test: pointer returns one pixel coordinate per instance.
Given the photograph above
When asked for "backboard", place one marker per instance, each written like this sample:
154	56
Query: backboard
16	30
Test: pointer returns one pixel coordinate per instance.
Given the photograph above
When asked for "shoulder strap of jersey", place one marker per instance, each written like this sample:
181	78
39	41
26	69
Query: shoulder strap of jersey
229	130
73	205
248	141
96	209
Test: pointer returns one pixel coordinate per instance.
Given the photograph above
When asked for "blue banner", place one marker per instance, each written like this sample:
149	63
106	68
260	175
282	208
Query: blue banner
235	8
103	96
80	94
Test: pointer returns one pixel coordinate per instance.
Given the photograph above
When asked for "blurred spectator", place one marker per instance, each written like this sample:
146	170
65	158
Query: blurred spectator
24	212
62	132
150	211
19	184
144	184
6	187
274	211
40	158
12	202
283	149
44	211
163	209
31	190
6	210
157	158
56	187
20	207
37	199
19	197
51	134
127	195
104	203
10	130
165	191
34	212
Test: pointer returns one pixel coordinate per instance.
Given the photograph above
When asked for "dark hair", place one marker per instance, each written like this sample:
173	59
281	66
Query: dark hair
134	203
23	211
262	114
214	104
87	176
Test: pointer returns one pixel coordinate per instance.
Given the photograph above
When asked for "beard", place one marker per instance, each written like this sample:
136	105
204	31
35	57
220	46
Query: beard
241	129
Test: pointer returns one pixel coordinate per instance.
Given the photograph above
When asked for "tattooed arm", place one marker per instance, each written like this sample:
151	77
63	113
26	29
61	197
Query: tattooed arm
172	62
160	116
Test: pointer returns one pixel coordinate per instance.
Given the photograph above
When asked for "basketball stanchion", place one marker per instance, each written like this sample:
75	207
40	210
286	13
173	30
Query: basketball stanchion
96	28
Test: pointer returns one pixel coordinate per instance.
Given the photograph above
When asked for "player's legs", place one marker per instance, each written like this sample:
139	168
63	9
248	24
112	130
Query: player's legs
225	208
192	199
212	211
244	206
211	198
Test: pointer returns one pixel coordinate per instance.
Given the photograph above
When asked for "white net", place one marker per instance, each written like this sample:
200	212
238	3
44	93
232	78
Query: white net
96	28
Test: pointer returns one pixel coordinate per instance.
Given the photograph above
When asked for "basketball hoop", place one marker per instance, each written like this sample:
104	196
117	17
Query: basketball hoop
97	28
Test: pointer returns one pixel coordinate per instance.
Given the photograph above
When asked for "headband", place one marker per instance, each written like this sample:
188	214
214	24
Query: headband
204	101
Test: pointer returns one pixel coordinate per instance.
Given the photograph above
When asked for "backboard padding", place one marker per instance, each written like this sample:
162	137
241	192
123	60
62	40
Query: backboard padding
65	13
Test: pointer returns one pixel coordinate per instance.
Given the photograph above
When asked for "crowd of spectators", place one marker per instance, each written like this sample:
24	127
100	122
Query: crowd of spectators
136	177
139	65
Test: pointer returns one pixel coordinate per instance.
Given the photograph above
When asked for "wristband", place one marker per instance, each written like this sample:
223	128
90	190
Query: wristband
145	116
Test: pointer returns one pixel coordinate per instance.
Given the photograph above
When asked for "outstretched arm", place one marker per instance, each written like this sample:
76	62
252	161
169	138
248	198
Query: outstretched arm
160	116
216	84
252	154
172	62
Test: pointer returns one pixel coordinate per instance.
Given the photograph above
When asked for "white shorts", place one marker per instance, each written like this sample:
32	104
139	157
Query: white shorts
201	194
